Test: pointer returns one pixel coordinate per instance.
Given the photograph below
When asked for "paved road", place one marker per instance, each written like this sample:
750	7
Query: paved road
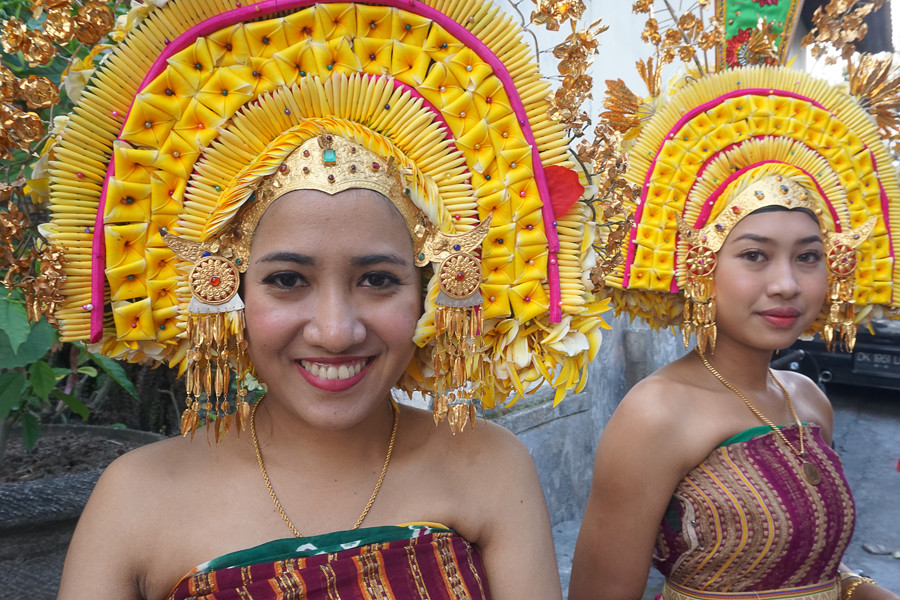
867	436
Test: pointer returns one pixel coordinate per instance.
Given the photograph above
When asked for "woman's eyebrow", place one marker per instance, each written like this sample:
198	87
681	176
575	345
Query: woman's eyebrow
368	260
810	240
291	257
761	239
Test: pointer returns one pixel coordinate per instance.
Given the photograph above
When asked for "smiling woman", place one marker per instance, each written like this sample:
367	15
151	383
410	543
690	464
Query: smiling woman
336	200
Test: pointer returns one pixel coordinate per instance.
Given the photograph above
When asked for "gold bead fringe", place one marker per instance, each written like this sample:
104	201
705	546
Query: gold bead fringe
217	347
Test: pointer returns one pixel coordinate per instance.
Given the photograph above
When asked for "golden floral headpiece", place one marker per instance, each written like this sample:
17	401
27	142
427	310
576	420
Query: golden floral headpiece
331	164
703	149
202	104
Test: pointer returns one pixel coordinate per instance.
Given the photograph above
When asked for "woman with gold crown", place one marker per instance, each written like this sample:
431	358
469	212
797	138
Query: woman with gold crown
326	201
766	207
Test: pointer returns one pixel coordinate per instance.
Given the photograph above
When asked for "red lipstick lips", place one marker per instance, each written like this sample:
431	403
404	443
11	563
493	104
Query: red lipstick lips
781	317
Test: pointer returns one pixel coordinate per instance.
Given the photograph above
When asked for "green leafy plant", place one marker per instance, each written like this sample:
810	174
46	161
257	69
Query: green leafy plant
38	375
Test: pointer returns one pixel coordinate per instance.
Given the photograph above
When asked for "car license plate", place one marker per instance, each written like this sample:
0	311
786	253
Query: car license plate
878	363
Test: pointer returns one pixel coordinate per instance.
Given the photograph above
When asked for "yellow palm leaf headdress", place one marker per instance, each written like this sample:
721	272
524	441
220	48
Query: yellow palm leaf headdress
737	134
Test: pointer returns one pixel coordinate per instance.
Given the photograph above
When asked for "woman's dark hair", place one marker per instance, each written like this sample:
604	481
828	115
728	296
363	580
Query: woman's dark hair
778	208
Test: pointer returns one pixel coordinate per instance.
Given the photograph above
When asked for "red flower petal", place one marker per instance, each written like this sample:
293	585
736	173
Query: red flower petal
565	189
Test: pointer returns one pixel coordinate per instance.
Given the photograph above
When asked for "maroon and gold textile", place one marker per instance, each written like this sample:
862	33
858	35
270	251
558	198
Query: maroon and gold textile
433	564
745	519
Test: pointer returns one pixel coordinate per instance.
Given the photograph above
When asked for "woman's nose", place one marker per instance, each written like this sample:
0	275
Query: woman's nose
784	280
334	324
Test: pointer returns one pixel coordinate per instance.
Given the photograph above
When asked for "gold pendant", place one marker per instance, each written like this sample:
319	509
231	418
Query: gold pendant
811	473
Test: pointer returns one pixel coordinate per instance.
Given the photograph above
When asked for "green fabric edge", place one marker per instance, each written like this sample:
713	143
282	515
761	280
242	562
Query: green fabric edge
749	434
326	543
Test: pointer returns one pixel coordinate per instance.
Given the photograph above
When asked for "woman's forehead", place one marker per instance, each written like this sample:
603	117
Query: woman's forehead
311	217
786	226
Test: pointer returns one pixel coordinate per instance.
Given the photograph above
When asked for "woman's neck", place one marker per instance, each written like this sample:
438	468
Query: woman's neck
286	433
745	368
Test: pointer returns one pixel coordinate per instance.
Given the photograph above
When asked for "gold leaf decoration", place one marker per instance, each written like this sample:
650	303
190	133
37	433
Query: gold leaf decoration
876	83
622	106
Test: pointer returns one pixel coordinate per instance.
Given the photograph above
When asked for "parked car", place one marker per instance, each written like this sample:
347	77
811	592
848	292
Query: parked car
874	362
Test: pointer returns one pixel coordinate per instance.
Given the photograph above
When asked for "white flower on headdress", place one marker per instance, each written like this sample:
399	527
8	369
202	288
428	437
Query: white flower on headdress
59	123
125	23
76	76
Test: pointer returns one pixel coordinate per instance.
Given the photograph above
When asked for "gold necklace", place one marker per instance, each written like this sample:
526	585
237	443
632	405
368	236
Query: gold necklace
810	472
262	469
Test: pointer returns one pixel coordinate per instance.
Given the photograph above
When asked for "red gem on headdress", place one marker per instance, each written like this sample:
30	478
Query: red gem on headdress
283	168
735	209
79	175
331	179
306	153
375	166
214	280
460	275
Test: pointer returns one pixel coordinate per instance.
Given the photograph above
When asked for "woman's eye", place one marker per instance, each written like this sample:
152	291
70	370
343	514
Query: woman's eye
753	255
284	280
379	280
810	257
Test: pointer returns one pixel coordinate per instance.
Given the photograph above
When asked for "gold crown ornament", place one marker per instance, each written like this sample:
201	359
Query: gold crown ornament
207	112
748	133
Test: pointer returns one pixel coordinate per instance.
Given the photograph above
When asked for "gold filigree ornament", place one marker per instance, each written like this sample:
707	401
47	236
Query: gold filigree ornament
842	263
700	307
215	328
460	275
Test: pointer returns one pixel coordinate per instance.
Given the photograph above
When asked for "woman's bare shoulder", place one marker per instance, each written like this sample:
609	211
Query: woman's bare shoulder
483	442
664	394
811	403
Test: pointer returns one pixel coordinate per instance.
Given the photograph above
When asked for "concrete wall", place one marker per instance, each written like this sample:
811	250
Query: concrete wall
563	439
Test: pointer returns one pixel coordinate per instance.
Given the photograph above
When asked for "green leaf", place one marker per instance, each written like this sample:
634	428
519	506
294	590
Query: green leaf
31	430
89	371
11	387
42	379
78	407
14	322
115	370
40	339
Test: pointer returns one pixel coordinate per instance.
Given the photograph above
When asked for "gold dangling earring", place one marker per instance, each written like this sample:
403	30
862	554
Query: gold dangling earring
458	322
699	316
840	252
215	329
